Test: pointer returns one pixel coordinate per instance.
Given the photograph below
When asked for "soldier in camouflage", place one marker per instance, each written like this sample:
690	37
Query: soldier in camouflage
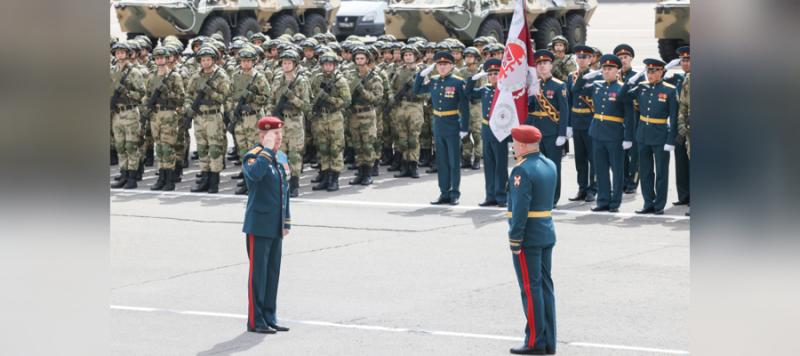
564	64
367	91
331	97
209	130
251	89
293	93
407	114
127	86
472	148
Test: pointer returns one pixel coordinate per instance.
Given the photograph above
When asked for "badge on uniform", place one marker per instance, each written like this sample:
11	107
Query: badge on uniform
251	160
549	94
449	92
662	97
612	96
517	180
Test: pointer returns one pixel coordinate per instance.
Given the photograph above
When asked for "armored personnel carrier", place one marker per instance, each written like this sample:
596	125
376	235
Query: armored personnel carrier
188	18
469	19
672	27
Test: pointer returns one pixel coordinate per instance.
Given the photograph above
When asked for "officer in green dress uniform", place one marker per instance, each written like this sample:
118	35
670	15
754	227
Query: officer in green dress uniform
532	235
655	134
266	222
450	122
630	164
581	112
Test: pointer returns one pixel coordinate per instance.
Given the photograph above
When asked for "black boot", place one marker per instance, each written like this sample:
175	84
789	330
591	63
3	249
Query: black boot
294	186
386	156
359	177
376	171
333	181
148	157
140	172
177	175
465	163
114	157
349	155
131	182
123	174
367	179
160	182
476	164
213	183
404	172
319	177
424	157
412	169
169	179
202	185
323	182
397	161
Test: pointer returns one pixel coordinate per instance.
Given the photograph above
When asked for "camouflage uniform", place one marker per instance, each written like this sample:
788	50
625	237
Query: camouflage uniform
684	112
125	120
327	125
297	102
471	145
562	67
253	84
367	92
164	120
408	118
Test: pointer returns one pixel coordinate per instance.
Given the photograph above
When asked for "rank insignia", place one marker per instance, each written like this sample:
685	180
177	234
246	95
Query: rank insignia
517	180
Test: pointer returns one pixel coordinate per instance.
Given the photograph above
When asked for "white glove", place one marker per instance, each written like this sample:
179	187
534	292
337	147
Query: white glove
463	134
561	140
428	70
626	145
569	132
480	75
592	74
533	81
669	148
636	77
672	64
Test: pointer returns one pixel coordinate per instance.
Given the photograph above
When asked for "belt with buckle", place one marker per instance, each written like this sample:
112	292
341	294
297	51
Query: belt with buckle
602	117
445	113
535	214
652	120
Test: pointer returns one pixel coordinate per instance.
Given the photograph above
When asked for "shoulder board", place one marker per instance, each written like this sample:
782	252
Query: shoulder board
668	85
620	82
557	80
265	155
457	77
520	162
435	76
644	82
256	150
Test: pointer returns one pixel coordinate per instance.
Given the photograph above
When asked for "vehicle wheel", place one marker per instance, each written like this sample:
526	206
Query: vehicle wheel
667	48
575	30
284	24
214	25
492	27
315	24
546	29
247	27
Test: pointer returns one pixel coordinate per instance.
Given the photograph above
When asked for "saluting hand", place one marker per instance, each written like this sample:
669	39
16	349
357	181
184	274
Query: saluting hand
285	232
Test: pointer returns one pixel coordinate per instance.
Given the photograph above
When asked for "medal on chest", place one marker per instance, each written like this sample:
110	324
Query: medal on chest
662	97
549	94
612	96
449	92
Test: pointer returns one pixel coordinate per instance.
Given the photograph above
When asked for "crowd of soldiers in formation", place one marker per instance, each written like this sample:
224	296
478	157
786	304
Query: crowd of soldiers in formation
345	104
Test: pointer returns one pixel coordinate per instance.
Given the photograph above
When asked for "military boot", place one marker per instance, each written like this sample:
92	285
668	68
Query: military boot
323	182
333	181
213	183
122	180
160	182
177	175
376	171
114	157
412	169
404	172
386	156
359	177
466	163
148	157
294	186
319	177
366	178
424	157
202	185
349	155
140	172
476	164
397	160
169	180
131	182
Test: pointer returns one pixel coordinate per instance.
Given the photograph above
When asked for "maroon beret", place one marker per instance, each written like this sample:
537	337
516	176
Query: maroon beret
269	123
526	134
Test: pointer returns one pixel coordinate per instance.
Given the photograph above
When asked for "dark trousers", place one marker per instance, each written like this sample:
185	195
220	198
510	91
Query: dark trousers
631	167
262	287
583	162
654	184
495	168
682	171
448	156
608	154
549	149
533	267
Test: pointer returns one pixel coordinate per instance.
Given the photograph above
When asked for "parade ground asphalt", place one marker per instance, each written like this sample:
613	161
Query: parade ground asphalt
378	271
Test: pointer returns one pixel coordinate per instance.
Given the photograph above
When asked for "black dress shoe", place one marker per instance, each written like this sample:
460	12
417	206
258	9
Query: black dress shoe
502	205
580	196
645	210
600	208
488	203
454	201
680	202
261	330
613	210
277	327
658	212
440	201
629	190
524	350
589	197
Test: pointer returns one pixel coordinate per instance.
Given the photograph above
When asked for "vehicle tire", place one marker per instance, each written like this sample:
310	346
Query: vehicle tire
667	48
492	27
575	30
315	23
283	24
248	26
216	24
546	29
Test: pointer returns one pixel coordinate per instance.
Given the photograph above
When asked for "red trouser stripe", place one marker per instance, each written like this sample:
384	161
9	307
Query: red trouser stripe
529	312
250	307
